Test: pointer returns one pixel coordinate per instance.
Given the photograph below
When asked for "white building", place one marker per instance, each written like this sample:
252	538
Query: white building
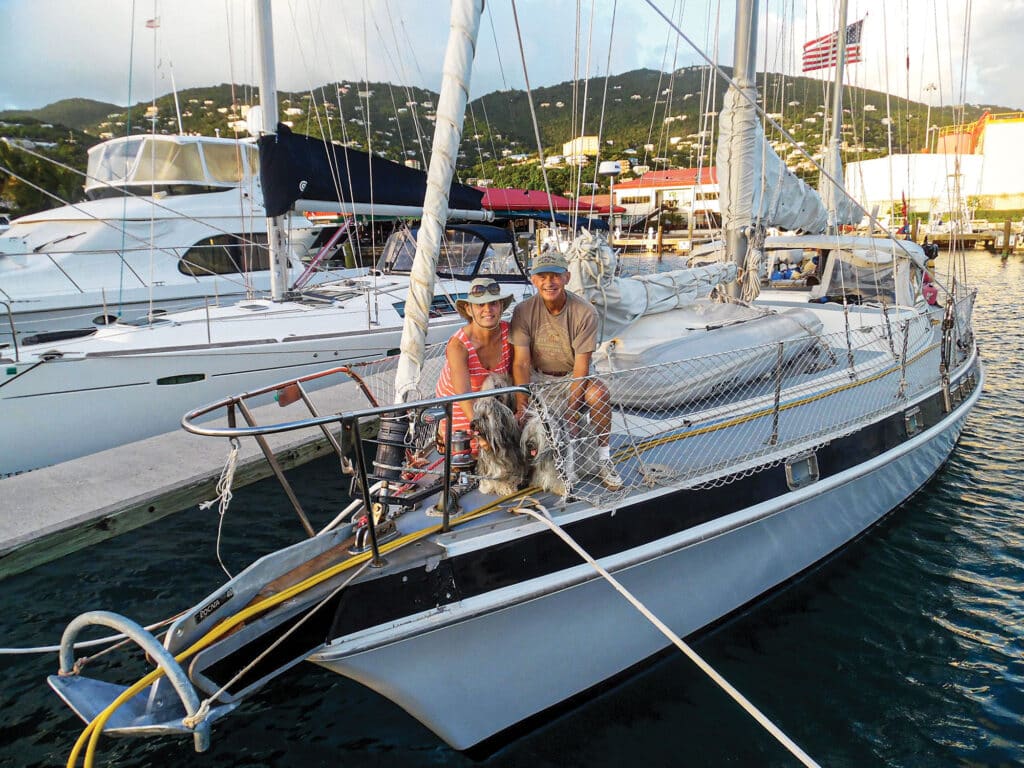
978	164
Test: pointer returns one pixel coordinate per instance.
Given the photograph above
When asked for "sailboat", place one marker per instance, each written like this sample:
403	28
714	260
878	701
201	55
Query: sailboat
476	613
170	222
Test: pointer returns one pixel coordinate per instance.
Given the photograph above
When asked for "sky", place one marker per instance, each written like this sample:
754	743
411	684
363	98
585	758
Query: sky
104	50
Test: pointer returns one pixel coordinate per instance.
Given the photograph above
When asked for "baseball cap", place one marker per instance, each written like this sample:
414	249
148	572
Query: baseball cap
549	261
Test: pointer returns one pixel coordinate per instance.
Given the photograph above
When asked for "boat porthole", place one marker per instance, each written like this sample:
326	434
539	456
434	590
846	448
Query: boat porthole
912	418
802	470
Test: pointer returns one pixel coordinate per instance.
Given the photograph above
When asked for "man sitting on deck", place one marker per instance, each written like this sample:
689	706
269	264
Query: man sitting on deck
554	335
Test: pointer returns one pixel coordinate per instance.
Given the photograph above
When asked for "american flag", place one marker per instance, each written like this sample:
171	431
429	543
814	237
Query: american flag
823	52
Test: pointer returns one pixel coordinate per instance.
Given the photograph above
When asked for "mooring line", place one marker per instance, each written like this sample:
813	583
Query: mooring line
539	512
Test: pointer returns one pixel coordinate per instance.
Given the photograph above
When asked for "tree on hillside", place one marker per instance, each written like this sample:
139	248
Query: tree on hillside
24	188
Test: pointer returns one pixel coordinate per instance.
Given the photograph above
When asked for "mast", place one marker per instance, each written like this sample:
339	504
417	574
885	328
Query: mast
744	73
268	100
831	192
451	109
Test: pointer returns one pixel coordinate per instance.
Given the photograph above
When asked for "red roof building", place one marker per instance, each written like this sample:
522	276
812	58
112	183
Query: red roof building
680	191
596	204
505	199
676	177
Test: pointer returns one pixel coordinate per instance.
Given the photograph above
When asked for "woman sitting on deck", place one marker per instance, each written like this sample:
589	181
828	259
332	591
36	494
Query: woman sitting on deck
477	350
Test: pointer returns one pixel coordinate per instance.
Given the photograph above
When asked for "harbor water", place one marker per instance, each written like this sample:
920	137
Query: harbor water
905	649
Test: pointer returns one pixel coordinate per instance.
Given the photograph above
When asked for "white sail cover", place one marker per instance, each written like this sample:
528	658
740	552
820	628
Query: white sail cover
620	301
451	109
758	187
833	194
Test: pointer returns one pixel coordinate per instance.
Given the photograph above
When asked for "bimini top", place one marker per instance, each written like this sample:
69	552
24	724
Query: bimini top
170	164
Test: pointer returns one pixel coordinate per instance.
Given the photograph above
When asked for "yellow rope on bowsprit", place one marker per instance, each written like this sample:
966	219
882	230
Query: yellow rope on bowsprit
91	733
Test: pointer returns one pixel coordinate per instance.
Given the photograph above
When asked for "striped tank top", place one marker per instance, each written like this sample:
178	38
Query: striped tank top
477	374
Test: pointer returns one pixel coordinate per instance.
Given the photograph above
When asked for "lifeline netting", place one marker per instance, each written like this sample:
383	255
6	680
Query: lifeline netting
711	419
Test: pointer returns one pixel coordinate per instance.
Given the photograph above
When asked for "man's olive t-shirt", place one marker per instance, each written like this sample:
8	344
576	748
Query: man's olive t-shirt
554	340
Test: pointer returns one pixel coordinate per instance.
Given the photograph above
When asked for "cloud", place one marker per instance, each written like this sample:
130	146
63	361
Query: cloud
56	49
995	53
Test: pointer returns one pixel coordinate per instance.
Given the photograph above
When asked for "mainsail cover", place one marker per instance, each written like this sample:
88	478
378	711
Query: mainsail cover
833	193
295	167
756	186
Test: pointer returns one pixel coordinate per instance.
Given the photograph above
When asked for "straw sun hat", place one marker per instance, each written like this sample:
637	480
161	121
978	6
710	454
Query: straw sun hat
482	291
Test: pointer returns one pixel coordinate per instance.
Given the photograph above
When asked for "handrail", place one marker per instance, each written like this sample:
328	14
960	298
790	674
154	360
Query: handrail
289	426
14	333
351	419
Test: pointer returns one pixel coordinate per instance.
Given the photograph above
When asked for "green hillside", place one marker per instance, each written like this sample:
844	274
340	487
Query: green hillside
651	119
80	114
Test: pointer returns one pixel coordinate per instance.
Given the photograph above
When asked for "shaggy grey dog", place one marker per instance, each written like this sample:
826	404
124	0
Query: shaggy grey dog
560	450
500	462
538	447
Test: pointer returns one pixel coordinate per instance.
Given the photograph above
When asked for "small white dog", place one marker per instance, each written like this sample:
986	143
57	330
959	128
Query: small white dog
500	462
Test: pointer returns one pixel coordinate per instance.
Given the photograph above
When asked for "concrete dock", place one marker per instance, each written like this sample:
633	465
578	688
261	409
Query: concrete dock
50	512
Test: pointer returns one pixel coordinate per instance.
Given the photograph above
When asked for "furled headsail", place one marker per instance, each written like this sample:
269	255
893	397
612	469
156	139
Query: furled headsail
833	192
295	167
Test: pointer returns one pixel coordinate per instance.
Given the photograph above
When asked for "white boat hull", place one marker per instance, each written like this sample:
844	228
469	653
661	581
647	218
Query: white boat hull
128	383
571	639
119	399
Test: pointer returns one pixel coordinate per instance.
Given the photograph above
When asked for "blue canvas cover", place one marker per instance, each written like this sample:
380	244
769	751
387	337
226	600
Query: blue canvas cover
296	167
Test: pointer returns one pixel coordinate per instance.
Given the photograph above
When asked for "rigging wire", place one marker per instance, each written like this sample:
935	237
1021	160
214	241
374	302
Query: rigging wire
127	132
533	117
600	123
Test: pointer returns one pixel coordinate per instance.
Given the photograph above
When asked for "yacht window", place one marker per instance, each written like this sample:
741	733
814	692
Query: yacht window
226	255
399	251
224	162
114	163
459	253
163	161
498	260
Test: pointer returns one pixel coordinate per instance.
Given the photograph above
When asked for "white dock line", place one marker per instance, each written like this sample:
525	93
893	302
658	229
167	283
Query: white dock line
540	513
